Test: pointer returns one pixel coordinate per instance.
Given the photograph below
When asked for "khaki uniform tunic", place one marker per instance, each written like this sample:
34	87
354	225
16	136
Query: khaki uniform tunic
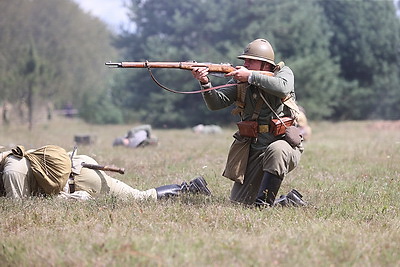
267	152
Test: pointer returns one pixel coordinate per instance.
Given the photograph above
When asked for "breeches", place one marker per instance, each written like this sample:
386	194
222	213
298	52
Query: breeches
279	158
97	183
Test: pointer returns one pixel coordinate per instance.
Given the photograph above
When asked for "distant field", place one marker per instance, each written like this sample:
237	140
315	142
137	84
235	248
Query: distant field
349	174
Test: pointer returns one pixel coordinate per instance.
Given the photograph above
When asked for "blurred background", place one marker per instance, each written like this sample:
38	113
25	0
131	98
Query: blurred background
344	54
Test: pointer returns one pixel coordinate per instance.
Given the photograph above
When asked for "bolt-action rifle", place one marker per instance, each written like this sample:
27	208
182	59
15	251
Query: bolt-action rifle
214	69
103	168
77	169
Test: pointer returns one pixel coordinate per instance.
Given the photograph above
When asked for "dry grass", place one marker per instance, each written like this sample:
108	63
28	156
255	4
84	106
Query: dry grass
349	174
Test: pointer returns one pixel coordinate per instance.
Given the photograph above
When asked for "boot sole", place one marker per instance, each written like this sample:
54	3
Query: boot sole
201	184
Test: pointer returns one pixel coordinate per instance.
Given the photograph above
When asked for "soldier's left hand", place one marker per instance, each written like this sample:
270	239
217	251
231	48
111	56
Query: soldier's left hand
241	74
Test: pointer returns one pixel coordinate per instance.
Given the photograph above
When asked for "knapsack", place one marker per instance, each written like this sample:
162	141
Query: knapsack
50	165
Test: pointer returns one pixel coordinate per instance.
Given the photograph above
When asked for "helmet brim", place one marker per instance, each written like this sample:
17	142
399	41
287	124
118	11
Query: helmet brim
256	58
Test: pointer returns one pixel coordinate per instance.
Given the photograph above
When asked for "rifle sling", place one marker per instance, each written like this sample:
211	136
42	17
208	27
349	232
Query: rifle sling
187	92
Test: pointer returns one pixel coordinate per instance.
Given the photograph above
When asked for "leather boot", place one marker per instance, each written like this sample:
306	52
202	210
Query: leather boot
171	190
196	186
199	185
293	198
268	191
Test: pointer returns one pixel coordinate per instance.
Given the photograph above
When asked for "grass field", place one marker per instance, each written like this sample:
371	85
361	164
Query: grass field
349	174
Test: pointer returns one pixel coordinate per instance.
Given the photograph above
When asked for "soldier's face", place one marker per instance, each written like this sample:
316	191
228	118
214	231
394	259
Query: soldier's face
252	64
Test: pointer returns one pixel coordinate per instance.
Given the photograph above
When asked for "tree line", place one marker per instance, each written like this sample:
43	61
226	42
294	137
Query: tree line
52	55
344	54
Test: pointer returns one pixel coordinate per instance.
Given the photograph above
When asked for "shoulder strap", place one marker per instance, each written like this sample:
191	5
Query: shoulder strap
241	95
293	107
257	109
240	102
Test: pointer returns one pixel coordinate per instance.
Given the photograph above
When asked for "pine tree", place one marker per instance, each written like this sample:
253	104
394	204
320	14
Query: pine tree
366	38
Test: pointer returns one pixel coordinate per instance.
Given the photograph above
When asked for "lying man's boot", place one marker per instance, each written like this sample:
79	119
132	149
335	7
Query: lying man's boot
171	190
199	185
293	198
195	186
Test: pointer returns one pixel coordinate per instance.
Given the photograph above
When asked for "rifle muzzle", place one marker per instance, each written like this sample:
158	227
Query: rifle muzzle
113	64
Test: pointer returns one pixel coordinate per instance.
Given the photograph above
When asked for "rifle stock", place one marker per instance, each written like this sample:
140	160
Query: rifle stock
103	168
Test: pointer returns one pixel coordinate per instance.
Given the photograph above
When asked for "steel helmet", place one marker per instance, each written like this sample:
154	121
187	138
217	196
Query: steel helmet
259	49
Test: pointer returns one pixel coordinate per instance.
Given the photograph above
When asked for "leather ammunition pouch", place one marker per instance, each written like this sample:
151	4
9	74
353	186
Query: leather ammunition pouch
278	126
248	128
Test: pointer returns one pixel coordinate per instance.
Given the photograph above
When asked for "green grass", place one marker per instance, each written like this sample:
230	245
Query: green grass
348	173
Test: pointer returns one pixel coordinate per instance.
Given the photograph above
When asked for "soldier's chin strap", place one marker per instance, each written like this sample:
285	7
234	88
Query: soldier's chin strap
186	92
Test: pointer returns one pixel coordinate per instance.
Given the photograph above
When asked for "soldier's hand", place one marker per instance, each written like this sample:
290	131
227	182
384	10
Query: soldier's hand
200	73
241	74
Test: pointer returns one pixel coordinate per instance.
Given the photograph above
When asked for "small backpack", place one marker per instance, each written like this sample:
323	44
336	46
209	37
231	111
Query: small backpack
50	164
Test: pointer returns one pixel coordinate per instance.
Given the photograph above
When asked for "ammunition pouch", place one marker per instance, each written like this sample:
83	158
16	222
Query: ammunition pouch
278	126
248	128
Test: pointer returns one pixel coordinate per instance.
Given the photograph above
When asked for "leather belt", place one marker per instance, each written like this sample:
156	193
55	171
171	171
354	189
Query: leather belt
263	128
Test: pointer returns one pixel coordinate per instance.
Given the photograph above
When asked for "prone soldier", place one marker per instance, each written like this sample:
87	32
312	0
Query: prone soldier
139	136
21	177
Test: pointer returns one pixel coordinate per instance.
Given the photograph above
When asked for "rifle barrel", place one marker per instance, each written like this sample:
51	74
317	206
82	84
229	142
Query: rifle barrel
126	64
113	64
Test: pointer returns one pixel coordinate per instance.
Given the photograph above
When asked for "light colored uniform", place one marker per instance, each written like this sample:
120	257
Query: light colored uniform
98	183
137	138
140	136
17	178
268	153
19	182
